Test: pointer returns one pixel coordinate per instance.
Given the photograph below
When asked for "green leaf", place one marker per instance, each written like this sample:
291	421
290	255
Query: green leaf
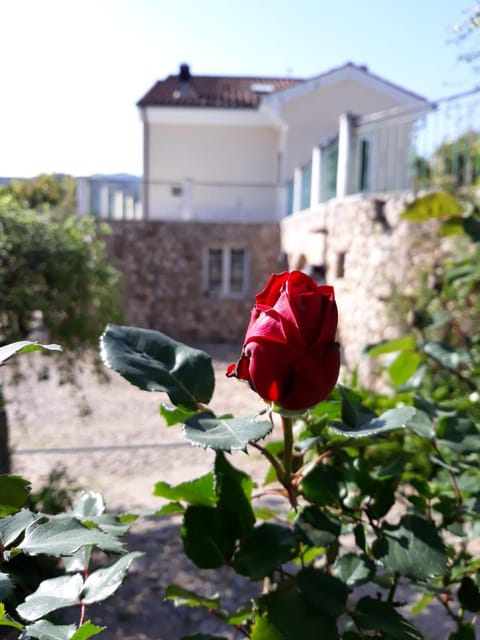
460	434
267	547
352	410
63	536
24	346
354	569
322	485
406	343
471	227
45	630
323	591
420	605
102	583
183	598
170	509
404	366
79	561
234	490
87	630
388	421
262	629
316	528
155	362
464	632
174	415
451	227
239	616
6	620
360	536
14	492
205	540
443	354
51	595
206	430
6	586
433	205
469	595
89	506
372	614
11	527
288	616
421	424
200	491
411	548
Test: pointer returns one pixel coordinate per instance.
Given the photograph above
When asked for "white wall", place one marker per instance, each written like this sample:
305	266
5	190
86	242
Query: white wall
231	170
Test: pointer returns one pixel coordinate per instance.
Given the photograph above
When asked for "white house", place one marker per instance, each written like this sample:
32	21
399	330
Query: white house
249	149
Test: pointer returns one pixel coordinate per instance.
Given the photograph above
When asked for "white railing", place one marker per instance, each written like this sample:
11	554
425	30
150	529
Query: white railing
109	198
215	202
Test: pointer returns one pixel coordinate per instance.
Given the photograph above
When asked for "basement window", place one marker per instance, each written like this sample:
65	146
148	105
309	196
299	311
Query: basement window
225	272
340	270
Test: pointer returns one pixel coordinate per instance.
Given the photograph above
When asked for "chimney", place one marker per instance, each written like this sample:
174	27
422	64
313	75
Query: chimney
184	75
184	88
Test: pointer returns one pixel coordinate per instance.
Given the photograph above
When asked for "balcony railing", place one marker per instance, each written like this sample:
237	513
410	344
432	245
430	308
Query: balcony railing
215	202
394	151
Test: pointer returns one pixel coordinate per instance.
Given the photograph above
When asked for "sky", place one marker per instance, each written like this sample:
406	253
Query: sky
71	71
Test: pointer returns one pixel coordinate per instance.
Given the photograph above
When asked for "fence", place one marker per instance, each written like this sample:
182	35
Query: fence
439	148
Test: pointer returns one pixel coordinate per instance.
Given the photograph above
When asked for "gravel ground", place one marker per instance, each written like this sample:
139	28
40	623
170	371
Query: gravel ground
110	438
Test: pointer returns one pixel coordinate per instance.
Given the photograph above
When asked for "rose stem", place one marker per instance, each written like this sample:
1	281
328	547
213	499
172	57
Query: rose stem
287	427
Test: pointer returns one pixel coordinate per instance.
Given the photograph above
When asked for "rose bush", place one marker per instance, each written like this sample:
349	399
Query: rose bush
289	354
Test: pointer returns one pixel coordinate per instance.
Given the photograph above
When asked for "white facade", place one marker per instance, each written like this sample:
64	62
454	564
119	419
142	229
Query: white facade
301	146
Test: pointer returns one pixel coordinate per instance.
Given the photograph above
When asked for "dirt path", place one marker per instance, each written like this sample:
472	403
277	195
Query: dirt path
109	437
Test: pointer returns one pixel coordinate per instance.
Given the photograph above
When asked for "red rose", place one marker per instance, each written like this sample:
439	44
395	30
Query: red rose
289	354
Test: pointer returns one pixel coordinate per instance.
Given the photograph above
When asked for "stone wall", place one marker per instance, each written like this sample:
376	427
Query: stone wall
163	281
361	247
358	244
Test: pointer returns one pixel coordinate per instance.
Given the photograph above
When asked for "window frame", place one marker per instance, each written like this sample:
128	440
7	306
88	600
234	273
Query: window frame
226	261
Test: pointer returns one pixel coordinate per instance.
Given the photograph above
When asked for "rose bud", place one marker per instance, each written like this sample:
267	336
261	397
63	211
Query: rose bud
289	354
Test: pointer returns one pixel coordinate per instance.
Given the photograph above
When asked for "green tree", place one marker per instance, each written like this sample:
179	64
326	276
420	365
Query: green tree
456	163
54	272
46	192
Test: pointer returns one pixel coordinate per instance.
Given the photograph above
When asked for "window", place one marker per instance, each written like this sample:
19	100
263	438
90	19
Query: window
226	271
340	270
289	197
176	191
306	186
364	178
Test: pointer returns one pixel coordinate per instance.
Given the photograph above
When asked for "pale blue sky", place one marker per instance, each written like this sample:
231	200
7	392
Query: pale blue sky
72	70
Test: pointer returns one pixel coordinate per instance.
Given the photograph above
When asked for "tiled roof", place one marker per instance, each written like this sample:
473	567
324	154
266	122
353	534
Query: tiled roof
187	90
213	91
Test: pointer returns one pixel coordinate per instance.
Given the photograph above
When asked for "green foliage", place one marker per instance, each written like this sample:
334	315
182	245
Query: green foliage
45	557
155	362
343	473
46	192
59	270
396	476
364	494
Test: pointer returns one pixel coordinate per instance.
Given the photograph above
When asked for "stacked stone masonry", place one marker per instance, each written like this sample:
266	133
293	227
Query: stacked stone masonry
369	254
359	245
162	266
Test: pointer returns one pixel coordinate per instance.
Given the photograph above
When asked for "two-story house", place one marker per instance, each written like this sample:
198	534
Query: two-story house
250	149
226	160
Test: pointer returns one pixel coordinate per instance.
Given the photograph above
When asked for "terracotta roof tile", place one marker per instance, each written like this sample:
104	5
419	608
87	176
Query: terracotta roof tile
213	91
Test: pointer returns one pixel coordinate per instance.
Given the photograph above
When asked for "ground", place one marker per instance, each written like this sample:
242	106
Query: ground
109	437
